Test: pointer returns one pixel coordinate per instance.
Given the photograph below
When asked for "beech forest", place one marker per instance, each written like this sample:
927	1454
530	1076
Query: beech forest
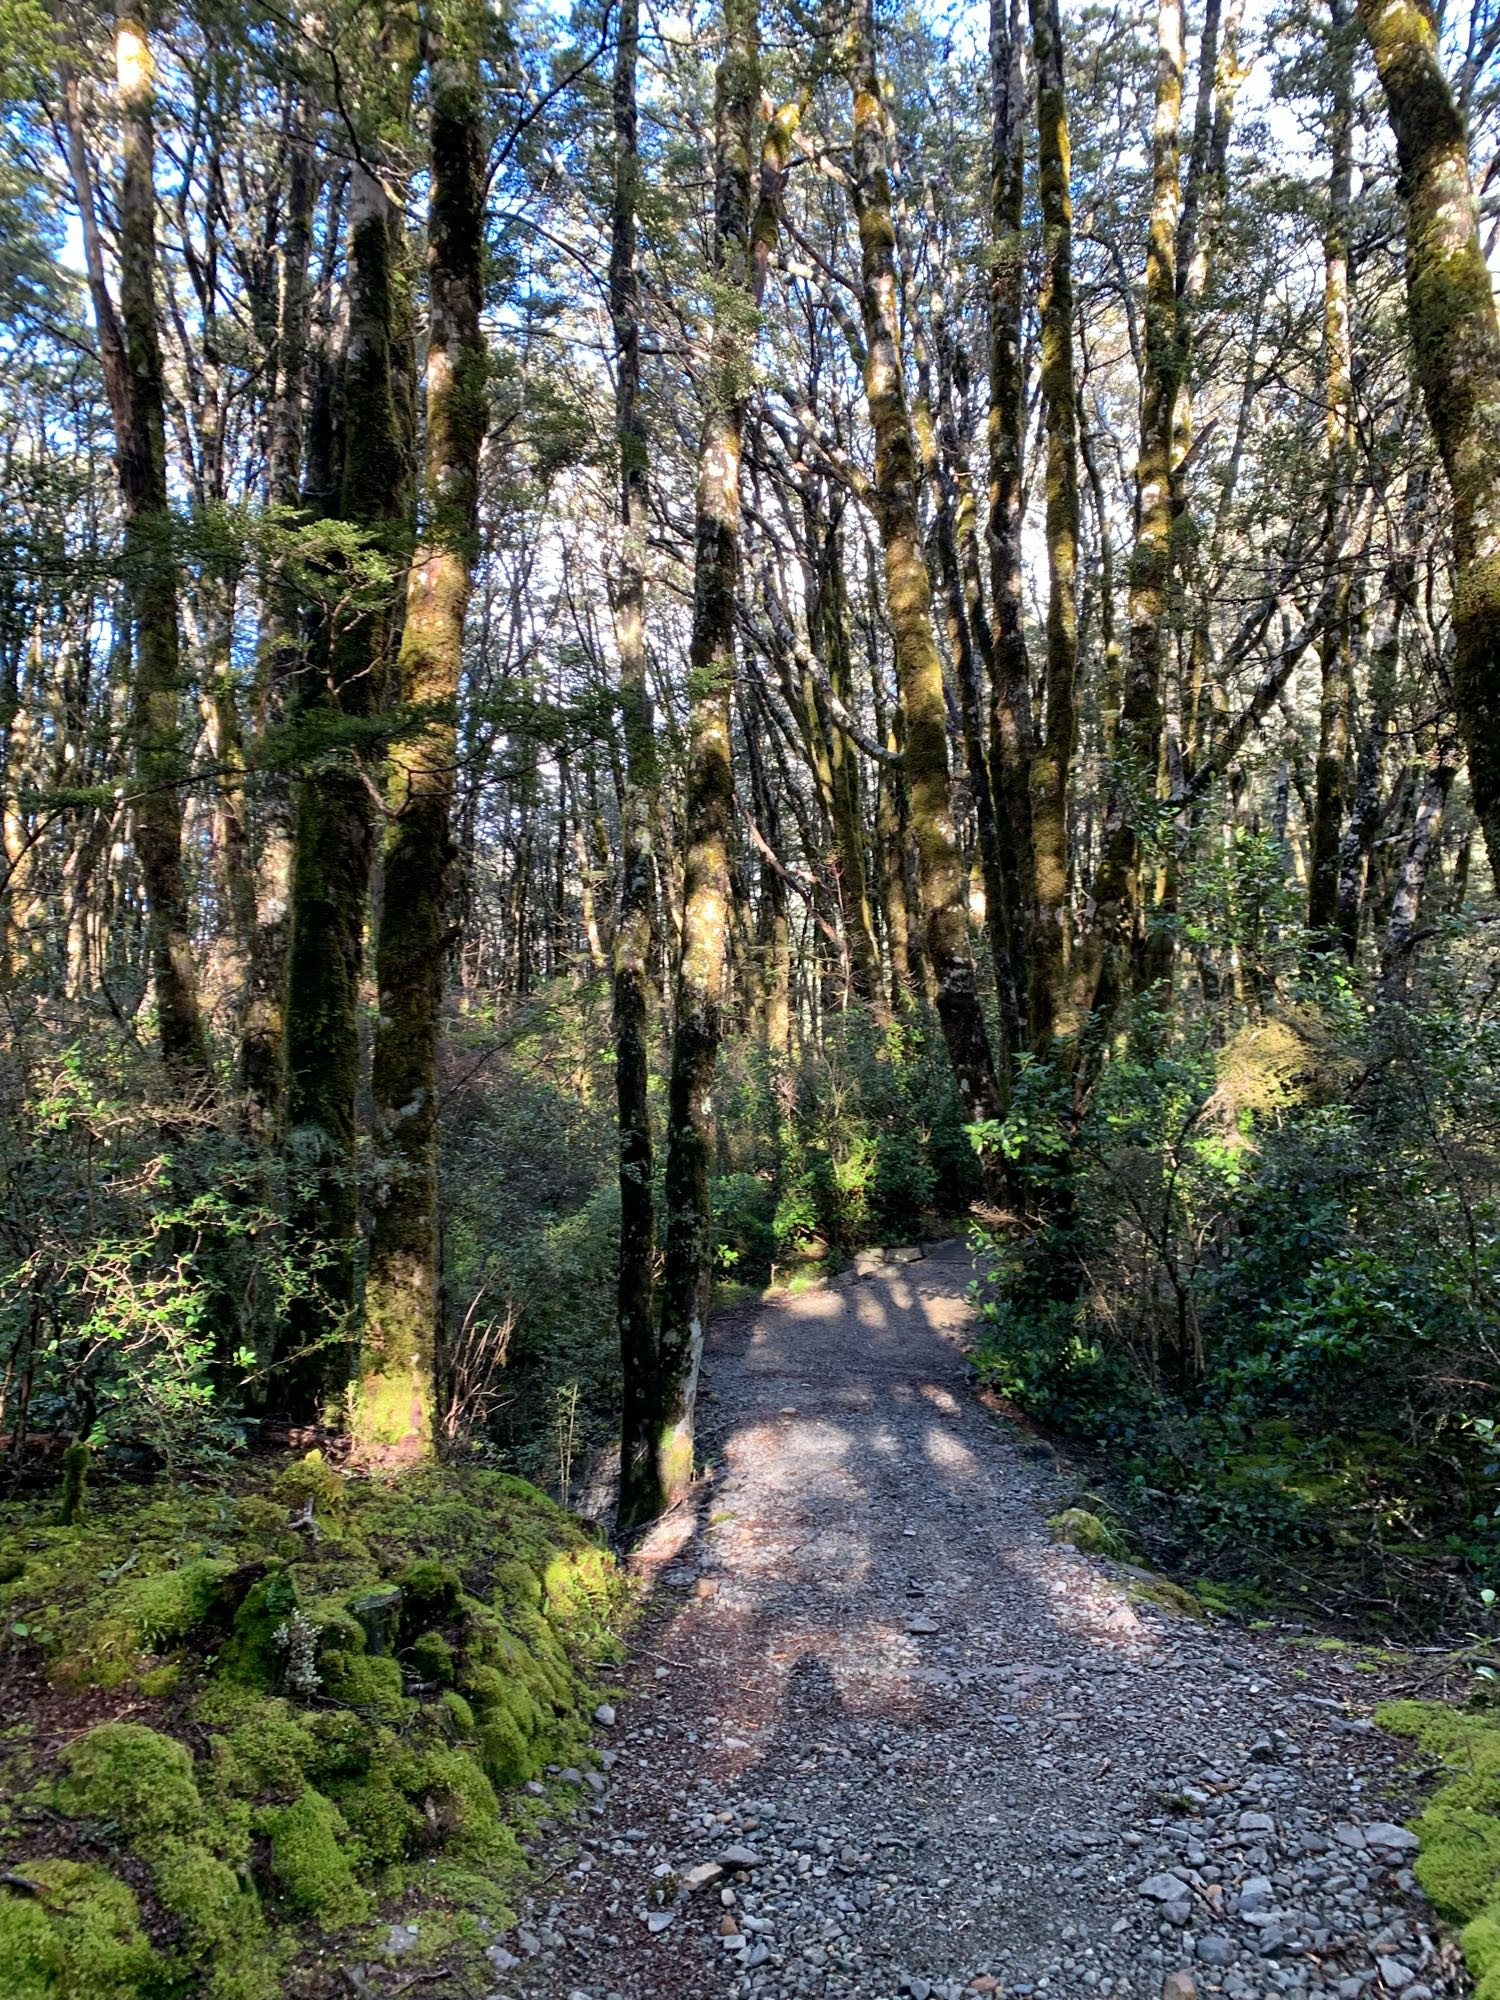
703	712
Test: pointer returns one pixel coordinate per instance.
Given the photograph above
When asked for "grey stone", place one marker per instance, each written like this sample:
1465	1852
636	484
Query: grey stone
605	1715
735	1856
500	1959
1214	1950
1163	1888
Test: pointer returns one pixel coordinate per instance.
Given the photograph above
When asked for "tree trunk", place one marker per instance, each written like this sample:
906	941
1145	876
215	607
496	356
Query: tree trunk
394	1408
1012	734
261	1032
634	933
156	691
344	688
1456	340
1401	936
687	1269
919	673
1051	763
1116	928
1336	642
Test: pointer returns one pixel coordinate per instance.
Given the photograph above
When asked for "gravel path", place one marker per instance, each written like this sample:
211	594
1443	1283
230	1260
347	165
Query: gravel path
884	1739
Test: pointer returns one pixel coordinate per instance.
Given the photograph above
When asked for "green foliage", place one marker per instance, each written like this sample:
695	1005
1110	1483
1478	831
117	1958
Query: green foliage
256	1802
141	1274
1259	1276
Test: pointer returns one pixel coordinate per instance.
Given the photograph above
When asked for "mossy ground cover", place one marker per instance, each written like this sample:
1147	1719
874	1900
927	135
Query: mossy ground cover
1459	1861
241	1722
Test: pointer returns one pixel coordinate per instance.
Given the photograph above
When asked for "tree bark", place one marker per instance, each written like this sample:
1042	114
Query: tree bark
635	929
156	689
1456	340
1336	642
261	1032
1117	923
1051	762
342	688
940	870
687	1269
394	1408
1012	734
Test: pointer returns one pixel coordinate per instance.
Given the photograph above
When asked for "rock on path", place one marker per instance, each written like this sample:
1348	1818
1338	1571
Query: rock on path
885	1739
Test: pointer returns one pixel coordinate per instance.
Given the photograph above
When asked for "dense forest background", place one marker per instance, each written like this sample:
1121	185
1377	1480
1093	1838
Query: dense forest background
639	649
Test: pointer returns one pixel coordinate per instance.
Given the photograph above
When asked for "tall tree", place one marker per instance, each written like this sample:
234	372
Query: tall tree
394	1409
634	939
1336	643
130	350
342	689
1052	761
1456	340
919	674
687	1268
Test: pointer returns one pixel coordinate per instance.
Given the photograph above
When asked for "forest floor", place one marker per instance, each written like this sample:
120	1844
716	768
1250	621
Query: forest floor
882	1737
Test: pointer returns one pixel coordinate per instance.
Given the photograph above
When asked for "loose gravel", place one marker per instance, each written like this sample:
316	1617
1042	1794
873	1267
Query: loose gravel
884	1739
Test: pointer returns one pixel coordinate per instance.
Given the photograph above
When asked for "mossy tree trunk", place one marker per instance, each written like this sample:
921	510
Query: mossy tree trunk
341	690
940	869
261	1030
1052	760
1012	729
687	1267
635	940
1456	340
394	1407
1116	927
1336	641
157	684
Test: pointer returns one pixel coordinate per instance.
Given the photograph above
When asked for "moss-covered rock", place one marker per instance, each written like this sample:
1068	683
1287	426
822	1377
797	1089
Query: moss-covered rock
284	1802
252	1654
1089	1533
431	1658
79	1939
134	1779
310	1862
1459	1860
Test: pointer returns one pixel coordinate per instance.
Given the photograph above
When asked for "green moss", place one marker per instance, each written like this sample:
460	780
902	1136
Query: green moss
136	1779
224	1935
1088	1533
459	1713
362	1682
1459	1861
458	1800
384	1825
432	1659
369	1789
430	1591
309	1861
313	1479
273	1749
75	1474
81	1939
1165	1595
250	1654
146	1614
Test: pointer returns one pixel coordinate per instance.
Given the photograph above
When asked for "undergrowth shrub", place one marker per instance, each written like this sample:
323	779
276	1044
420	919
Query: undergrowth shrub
1262	1276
